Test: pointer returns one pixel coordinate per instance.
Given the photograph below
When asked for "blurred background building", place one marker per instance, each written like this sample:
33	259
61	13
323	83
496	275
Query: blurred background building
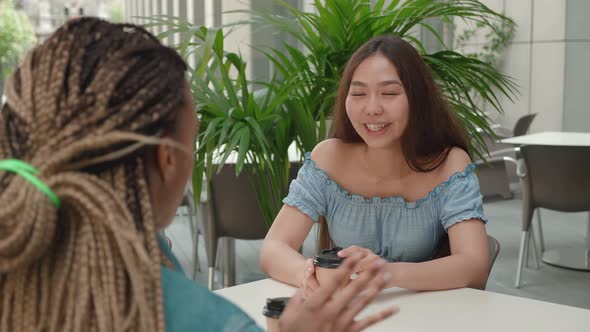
548	57
547	54
47	15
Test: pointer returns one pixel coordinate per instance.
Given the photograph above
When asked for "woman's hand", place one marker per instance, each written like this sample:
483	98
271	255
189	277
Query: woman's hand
367	257
310	283
333	307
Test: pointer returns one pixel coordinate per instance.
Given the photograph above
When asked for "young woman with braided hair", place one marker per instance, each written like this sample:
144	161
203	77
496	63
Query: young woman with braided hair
96	145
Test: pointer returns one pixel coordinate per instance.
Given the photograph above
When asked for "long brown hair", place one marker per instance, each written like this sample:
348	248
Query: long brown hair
433	129
92	264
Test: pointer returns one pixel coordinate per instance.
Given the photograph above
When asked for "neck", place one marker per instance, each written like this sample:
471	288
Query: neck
386	163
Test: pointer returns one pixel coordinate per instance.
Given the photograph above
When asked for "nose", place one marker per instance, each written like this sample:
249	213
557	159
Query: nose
373	106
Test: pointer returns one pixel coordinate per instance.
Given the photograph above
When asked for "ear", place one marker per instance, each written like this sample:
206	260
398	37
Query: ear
166	162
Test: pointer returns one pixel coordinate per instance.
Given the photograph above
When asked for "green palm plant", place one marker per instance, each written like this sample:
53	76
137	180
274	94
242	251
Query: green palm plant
328	37
252	127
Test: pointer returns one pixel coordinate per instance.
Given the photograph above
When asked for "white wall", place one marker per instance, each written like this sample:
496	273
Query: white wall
548	64
199	12
577	67
548	58
238	40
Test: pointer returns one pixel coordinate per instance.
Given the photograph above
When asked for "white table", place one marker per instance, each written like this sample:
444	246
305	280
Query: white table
557	138
457	310
568	257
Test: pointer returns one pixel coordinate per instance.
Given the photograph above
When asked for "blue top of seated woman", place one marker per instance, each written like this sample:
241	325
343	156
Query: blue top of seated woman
390	227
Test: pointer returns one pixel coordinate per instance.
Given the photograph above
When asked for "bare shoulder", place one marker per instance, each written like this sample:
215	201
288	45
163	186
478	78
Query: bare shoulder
457	160
330	153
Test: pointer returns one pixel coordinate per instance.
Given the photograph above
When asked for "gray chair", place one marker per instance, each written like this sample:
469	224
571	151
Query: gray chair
556	178
231	211
495	173
494	247
522	125
188	203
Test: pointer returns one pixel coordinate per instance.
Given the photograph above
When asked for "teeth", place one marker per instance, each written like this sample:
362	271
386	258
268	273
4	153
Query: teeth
375	127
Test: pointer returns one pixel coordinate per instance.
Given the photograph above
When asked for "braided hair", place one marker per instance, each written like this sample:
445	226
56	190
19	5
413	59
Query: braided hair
74	110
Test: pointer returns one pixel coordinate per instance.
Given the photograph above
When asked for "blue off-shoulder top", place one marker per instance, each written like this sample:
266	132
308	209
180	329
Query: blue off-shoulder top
390	227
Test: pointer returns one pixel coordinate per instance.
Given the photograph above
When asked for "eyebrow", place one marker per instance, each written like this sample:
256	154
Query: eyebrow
388	82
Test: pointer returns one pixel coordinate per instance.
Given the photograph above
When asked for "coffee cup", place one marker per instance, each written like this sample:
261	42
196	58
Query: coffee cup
273	310
326	262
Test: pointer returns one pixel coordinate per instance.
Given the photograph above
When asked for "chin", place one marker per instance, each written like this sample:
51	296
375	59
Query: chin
162	226
381	143
164	221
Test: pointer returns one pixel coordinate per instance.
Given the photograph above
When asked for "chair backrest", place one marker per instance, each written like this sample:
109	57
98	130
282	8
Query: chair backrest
521	127
323	240
557	177
494	247
234	207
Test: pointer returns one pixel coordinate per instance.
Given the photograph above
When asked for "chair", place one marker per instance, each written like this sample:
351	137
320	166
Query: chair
323	241
521	127
494	247
493	174
188	202
231	211
556	178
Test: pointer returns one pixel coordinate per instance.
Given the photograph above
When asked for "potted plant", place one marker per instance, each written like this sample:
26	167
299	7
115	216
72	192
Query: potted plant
258	126
252	127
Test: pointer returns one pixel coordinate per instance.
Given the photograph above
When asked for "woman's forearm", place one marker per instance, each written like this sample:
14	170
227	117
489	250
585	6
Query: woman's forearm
455	271
281	262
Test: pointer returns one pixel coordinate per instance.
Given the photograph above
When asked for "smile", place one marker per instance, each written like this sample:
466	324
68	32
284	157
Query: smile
375	127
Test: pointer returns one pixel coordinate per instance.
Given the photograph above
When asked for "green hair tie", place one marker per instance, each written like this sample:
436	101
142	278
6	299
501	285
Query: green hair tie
29	173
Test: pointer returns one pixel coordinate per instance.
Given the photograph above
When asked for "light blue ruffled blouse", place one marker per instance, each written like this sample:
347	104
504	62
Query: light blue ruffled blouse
390	227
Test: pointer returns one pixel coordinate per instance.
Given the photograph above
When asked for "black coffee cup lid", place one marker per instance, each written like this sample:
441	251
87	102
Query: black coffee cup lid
328	258
274	306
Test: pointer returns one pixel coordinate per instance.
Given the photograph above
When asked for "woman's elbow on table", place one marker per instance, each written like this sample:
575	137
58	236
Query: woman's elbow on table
265	253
